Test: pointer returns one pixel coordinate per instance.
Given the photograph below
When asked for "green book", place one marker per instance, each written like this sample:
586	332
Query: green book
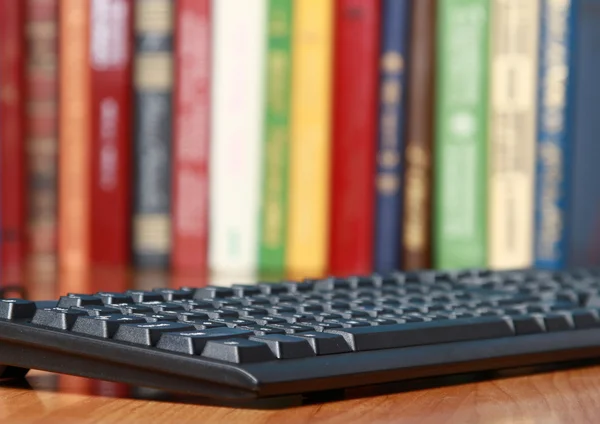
460	228
273	214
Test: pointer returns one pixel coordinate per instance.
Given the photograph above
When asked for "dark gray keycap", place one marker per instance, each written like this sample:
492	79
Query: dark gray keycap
325	343
322	326
266	320
585	318
78	300
127	308
234	322
257	301
245	290
60	318
213	292
348	323
272	288
174	294
262	330
322	316
528	324
332	284
96	310
163	306
219	313
228	301
193	342
104	326
113	297
148	334
292	328
190	305
140	296
251	311
16	309
154	317
556	321
239	351
286	347
281	309
294	318
425	333
192	316
208	324
295	287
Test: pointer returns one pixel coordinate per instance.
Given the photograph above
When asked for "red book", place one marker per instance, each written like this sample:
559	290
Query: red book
12	153
110	97
355	100
191	135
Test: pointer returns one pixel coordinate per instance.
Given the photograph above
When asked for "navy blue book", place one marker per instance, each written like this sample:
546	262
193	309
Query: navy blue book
567	232
388	218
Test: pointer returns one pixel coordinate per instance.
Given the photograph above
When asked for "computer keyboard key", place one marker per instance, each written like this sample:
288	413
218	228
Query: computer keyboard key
322	326
127	308
213	292
104	326
528	324
266	320
155	317
193	342
157	306
78	300
425	333
348	323
251	312
325	343
233	322
292	328
113	297
262	330
148	334
219	313
281	309
556	321
298	287
329	284
60	318
286	347
140	296
97	310
585	318
190	305
294	318
228	301
207	325
272	288
322	316
238	351
16	309
243	290
174	294
192	316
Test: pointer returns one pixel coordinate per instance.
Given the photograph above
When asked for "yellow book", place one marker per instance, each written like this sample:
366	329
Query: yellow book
307	238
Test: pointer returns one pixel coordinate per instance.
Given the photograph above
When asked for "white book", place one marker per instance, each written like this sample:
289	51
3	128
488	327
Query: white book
513	67
238	54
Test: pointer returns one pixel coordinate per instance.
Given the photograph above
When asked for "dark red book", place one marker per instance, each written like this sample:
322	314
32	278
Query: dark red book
12	152
355	100
111	127
191	105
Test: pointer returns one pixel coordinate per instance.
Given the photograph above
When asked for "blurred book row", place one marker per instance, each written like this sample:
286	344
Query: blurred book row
298	138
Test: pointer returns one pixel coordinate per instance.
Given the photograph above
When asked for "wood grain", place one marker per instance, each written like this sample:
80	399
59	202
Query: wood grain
557	397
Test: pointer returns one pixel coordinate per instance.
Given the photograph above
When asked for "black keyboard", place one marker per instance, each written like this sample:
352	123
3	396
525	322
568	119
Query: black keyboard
270	339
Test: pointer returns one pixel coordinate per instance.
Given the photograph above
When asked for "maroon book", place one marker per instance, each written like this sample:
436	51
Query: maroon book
111	87
12	152
191	134
355	100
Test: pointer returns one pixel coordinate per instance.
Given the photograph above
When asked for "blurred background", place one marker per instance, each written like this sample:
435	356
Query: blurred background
149	143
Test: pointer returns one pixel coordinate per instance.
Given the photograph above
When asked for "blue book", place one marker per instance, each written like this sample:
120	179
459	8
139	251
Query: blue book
567	228
388	215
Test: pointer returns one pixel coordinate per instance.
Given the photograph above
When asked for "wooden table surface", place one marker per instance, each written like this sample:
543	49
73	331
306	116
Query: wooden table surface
568	396
557	397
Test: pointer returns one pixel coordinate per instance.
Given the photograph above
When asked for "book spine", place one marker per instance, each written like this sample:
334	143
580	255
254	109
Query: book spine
273	212
392	89
153	86
74	130
307	243
191	135
417	214
512	117
12	153
583	233
110	99
554	149
41	119
461	134
355	81
237	127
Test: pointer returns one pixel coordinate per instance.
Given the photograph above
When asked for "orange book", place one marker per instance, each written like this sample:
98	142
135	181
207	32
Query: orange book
74	130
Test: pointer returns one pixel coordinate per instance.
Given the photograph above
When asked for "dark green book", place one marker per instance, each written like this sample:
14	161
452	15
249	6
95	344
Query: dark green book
274	202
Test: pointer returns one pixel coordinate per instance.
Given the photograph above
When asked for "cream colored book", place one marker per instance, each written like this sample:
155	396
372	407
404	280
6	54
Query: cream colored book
238	55
513	68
